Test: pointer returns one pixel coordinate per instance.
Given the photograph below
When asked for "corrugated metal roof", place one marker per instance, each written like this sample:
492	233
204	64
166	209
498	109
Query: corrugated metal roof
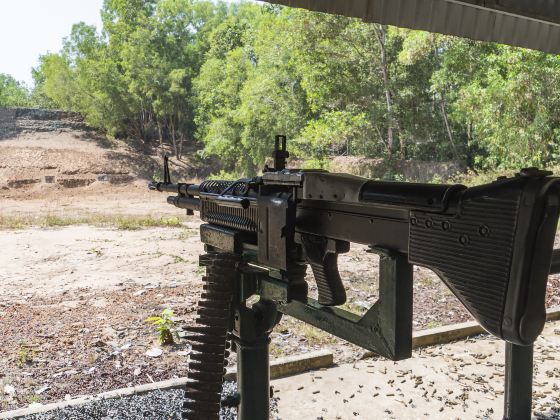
531	24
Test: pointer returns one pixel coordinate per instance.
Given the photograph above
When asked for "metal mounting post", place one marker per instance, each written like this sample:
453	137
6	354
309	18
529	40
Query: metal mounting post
518	398
251	337
519	382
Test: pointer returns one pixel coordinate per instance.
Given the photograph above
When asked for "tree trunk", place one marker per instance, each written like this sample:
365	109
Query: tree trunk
448	128
173	138
381	33
160	135
181	140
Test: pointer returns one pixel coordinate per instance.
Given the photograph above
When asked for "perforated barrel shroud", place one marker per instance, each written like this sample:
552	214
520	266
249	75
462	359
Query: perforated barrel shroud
235	218
214	186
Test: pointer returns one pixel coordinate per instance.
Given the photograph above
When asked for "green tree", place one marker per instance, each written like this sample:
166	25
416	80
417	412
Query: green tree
12	92
135	79
513	109
178	73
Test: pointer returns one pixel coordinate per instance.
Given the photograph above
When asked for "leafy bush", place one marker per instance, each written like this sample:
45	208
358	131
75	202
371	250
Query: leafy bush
164	326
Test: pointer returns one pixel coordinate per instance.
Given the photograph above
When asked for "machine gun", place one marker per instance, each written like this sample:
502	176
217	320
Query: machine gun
491	245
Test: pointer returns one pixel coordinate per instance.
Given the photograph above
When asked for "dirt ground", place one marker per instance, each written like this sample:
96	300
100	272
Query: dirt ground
73	299
75	293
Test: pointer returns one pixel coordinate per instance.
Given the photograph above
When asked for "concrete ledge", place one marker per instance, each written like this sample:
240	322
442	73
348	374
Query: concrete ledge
553	314
292	365
446	334
442	335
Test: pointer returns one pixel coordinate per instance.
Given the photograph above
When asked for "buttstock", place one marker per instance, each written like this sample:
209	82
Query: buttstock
493	251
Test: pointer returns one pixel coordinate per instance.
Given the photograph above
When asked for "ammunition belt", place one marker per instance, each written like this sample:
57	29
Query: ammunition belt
209	338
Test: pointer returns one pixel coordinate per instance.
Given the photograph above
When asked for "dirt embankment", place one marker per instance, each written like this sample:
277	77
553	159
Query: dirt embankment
42	152
49	150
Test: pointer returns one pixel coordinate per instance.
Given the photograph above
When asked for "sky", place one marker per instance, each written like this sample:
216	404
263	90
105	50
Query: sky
29	28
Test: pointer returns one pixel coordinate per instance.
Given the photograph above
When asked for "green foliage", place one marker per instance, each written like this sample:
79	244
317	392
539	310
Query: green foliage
135	79
514	109
12	92
25	356
227	176
230	76
96	251
164	326
334	133
316	164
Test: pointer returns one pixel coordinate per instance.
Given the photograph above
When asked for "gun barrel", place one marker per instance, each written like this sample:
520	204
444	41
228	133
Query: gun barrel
181	188
184	202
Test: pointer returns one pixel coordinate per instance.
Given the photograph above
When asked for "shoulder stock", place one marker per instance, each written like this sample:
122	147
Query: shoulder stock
493	251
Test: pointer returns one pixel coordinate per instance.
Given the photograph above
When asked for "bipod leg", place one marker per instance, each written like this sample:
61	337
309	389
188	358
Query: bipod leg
519	382
251	336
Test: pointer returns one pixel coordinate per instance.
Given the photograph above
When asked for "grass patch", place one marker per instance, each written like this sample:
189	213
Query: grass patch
52	220
426	281
433	324
472	178
135	223
276	351
14	223
25	357
177	259
354	308
119	222
96	251
187	233
315	336
33	399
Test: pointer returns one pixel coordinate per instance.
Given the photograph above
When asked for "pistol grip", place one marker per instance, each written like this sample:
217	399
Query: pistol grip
322	255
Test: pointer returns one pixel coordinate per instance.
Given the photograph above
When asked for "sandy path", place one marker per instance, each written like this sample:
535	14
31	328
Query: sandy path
35	262
133	200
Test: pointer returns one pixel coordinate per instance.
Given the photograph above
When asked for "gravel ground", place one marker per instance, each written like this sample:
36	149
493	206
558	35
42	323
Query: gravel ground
154	405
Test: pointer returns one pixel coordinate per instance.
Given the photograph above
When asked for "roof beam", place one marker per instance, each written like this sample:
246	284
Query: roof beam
531	24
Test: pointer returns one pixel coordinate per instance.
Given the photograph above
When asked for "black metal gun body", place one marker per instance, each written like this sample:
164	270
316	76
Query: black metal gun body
490	244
